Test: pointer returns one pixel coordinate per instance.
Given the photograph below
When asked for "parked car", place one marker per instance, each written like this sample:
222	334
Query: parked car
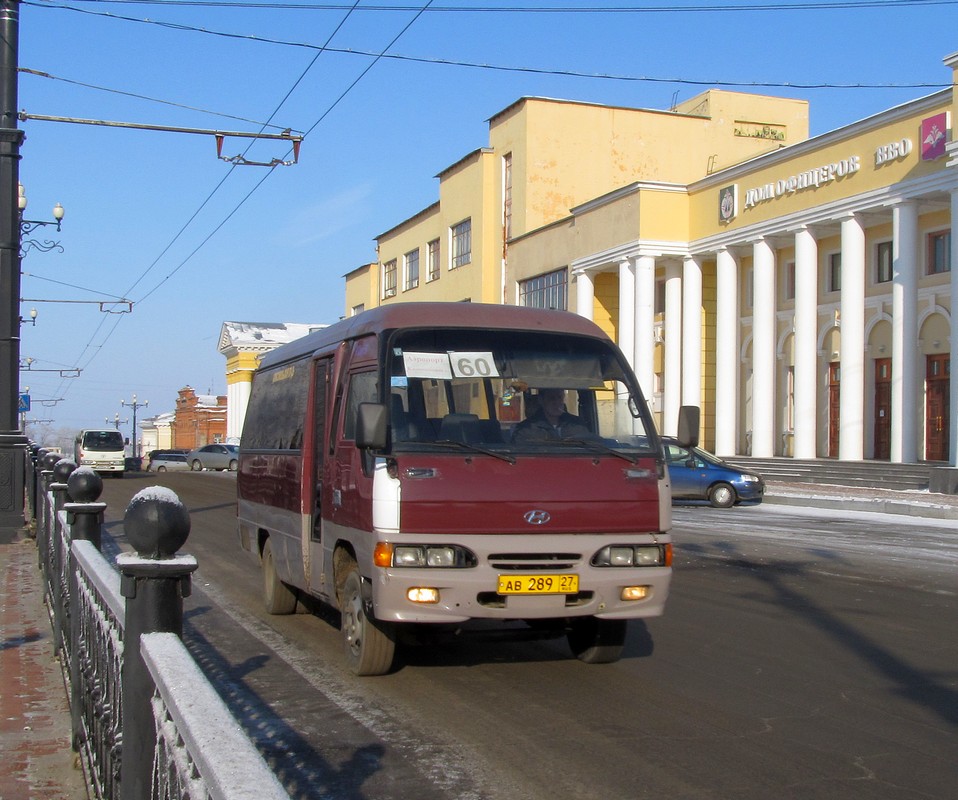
214	456
699	475
154	454
168	462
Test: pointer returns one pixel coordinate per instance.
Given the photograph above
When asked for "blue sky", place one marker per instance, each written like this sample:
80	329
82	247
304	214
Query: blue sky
157	219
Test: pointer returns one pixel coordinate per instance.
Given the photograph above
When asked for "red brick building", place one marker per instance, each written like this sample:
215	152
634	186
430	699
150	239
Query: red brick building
200	419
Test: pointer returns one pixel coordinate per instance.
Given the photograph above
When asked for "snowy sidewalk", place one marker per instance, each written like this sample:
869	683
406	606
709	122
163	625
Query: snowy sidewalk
854	498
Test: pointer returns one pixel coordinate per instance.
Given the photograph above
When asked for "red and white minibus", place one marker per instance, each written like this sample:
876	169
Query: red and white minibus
442	462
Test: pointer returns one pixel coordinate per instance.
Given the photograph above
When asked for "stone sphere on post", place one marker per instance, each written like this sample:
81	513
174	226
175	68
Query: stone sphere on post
49	461
63	469
84	485
156	523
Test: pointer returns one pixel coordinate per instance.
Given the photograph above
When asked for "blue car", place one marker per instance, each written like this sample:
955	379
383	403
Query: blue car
698	475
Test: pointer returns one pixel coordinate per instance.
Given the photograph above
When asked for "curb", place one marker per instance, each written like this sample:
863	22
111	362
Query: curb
925	509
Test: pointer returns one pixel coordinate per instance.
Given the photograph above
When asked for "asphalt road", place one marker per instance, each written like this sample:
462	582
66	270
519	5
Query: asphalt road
802	655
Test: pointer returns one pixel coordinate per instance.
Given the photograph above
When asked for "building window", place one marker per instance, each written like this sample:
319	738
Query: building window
389	278
835	272
411	269
883	262
461	244
432	260
507	196
357	309
545	291
788	284
939	252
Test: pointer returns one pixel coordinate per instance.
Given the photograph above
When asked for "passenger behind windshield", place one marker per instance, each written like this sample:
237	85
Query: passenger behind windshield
551	421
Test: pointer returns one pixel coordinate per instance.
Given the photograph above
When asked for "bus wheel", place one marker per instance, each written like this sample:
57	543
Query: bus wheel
597	641
369	645
277	596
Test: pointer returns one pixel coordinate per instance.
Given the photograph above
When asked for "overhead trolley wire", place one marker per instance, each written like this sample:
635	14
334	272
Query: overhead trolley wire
547	71
216	229
814	5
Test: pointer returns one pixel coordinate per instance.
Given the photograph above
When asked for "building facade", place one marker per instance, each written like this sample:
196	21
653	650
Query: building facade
800	292
198	420
243	344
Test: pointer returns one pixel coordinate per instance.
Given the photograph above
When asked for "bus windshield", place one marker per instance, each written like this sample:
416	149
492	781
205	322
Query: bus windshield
513	392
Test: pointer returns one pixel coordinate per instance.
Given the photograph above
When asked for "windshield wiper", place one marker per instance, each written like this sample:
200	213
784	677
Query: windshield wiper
599	447
474	448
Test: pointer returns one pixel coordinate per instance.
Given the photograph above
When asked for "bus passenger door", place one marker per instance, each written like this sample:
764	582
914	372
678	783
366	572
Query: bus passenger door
318	483
351	495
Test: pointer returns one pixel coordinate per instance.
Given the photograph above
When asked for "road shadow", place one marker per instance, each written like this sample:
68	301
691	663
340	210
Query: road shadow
301	768
923	688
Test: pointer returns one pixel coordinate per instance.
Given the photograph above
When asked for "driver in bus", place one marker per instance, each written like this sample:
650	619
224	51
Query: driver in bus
551	421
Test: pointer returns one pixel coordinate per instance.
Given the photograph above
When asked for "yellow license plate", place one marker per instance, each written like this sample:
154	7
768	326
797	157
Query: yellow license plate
538	584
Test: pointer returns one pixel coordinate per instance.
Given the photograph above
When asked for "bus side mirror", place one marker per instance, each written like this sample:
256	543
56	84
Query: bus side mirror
371	426
688	430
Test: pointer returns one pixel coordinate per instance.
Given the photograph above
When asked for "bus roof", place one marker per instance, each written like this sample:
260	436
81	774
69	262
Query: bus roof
436	315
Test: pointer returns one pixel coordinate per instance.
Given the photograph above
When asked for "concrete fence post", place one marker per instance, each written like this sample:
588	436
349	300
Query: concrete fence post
57	576
44	524
85	517
154	580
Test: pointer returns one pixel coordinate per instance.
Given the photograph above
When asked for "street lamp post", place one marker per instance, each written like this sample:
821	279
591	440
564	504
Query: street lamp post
116	422
28	226
134	404
12	441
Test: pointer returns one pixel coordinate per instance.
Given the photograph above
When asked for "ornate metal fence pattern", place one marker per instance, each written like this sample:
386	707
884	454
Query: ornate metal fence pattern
146	721
96	700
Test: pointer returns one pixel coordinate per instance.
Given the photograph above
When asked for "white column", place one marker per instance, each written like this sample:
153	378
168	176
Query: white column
672	382
726	354
644	345
585	295
953	385
626	327
851	406
237	398
763	349
691	332
806	347
904	334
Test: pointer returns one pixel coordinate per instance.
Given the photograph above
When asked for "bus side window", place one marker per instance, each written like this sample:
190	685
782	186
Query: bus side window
362	389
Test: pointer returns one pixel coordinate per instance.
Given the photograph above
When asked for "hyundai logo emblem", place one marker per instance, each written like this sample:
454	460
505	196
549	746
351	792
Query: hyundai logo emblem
537	517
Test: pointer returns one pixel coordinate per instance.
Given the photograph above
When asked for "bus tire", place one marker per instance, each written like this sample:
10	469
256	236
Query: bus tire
277	596
370	646
597	641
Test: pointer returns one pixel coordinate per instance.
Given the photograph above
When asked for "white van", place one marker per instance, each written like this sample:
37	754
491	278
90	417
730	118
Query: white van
103	450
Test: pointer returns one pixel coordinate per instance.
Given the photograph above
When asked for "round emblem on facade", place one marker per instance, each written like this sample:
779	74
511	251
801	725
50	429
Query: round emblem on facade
537	517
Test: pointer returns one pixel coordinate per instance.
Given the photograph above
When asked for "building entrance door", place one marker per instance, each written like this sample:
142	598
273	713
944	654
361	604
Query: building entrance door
834	386
937	377
883	408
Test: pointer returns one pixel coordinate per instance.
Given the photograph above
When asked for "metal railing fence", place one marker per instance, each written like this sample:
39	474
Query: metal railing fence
147	723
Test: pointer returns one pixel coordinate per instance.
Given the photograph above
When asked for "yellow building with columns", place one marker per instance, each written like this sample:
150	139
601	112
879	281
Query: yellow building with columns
798	289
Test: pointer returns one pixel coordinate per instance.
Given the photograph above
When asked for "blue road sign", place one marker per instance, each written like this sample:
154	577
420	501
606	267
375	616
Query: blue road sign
24	405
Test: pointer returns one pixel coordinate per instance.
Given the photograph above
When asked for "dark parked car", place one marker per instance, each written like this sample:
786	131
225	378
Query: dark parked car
699	475
214	456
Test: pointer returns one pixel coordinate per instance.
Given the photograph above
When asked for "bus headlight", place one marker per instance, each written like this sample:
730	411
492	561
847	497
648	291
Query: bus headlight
424	555
639	555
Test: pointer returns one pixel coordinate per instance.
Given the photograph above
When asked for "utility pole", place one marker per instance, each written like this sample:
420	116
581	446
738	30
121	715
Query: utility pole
12	441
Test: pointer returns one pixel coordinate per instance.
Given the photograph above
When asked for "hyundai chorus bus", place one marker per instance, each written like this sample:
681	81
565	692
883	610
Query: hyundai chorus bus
400	466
